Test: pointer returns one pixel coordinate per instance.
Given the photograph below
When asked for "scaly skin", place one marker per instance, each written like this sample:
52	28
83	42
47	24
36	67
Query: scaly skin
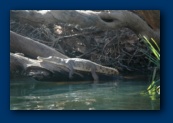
82	65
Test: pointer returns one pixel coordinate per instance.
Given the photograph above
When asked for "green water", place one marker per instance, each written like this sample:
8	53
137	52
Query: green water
28	94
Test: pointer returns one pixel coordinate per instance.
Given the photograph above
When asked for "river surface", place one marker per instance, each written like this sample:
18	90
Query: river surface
28	94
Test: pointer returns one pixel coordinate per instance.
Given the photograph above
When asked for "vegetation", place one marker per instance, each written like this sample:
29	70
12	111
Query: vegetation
154	57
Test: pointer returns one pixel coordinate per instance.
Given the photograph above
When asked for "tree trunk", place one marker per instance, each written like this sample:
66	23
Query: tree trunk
103	20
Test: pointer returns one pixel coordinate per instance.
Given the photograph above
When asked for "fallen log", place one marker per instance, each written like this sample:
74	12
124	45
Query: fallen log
31	48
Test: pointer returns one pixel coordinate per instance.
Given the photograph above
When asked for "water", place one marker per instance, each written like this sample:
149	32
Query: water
28	94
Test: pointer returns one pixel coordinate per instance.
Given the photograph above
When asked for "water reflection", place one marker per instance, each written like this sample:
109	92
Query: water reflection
27	94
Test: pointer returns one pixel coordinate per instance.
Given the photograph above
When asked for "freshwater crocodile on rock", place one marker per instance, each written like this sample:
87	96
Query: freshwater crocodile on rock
81	65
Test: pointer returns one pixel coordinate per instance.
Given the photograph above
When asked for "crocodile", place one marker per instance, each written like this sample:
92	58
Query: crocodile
81	65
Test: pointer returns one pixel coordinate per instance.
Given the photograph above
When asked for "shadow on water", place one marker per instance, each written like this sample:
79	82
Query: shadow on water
28	94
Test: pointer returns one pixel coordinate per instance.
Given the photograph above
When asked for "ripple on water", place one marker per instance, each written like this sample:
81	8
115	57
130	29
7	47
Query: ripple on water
104	96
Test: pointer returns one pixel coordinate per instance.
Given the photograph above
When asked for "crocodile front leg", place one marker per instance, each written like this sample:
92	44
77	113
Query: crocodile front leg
70	65
94	75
